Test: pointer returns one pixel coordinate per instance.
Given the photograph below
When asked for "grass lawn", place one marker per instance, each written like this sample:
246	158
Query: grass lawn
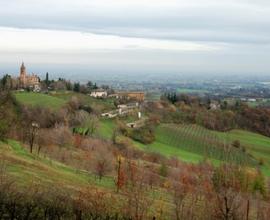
39	99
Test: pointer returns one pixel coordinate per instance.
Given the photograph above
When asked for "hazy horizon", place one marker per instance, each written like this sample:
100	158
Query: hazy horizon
101	37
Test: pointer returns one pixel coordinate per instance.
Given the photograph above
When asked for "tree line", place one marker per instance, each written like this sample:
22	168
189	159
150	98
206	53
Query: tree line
191	109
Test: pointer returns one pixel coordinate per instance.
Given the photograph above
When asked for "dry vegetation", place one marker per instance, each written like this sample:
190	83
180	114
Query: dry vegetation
56	172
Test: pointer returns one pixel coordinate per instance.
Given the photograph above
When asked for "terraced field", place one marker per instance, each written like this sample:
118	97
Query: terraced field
192	143
256	144
198	140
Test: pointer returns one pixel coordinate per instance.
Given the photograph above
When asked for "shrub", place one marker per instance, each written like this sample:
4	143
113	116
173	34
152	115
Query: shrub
144	135
163	170
236	144
3	129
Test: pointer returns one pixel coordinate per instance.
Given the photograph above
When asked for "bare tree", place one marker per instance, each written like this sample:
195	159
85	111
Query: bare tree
139	196
32	134
227	193
61	136
103	162
43	139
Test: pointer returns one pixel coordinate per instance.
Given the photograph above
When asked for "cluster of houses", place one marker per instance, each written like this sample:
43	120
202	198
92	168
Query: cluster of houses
122	110
101	93
125	109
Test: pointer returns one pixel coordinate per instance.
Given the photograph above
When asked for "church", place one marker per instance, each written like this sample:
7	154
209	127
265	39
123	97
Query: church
28	80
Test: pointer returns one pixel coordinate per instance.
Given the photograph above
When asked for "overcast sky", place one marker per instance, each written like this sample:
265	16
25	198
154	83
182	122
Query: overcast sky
169	36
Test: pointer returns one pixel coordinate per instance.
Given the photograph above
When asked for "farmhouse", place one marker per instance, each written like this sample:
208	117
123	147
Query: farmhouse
28	80
128	105
139	96
99	93
214	105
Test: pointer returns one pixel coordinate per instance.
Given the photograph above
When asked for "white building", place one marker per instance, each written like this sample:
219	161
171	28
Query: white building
99	94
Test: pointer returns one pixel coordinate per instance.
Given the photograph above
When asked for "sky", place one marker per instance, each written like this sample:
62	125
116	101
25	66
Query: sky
136	36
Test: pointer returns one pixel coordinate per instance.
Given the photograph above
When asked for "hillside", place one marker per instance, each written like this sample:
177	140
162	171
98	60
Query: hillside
97	104
189	143
27	168
38	99
107	171
193	143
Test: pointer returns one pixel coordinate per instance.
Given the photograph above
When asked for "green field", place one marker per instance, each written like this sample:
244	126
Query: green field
105	128
153	96
56	100
26	167
258	145
190	91
193	143
97	104
38	99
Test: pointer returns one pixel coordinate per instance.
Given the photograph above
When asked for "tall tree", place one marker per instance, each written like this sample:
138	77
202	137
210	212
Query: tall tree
47	79
77	87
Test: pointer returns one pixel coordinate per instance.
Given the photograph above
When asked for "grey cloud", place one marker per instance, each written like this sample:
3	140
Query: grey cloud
241	22
242	26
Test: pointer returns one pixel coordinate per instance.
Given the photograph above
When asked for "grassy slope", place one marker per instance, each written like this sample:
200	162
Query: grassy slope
26	167
38	99
257	145
169	151
57	100
105	129
97	104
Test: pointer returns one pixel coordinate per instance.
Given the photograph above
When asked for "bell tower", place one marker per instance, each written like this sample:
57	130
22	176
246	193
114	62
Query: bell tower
23	74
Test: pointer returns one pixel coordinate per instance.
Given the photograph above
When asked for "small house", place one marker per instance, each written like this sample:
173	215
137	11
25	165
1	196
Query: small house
100	93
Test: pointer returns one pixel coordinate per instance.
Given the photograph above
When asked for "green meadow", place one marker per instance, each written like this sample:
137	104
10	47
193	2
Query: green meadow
39	99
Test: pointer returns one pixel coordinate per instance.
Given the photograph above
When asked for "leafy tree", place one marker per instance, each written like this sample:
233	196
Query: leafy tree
76	87
89	85
95	86
69	86
163	170
6	82
259	184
